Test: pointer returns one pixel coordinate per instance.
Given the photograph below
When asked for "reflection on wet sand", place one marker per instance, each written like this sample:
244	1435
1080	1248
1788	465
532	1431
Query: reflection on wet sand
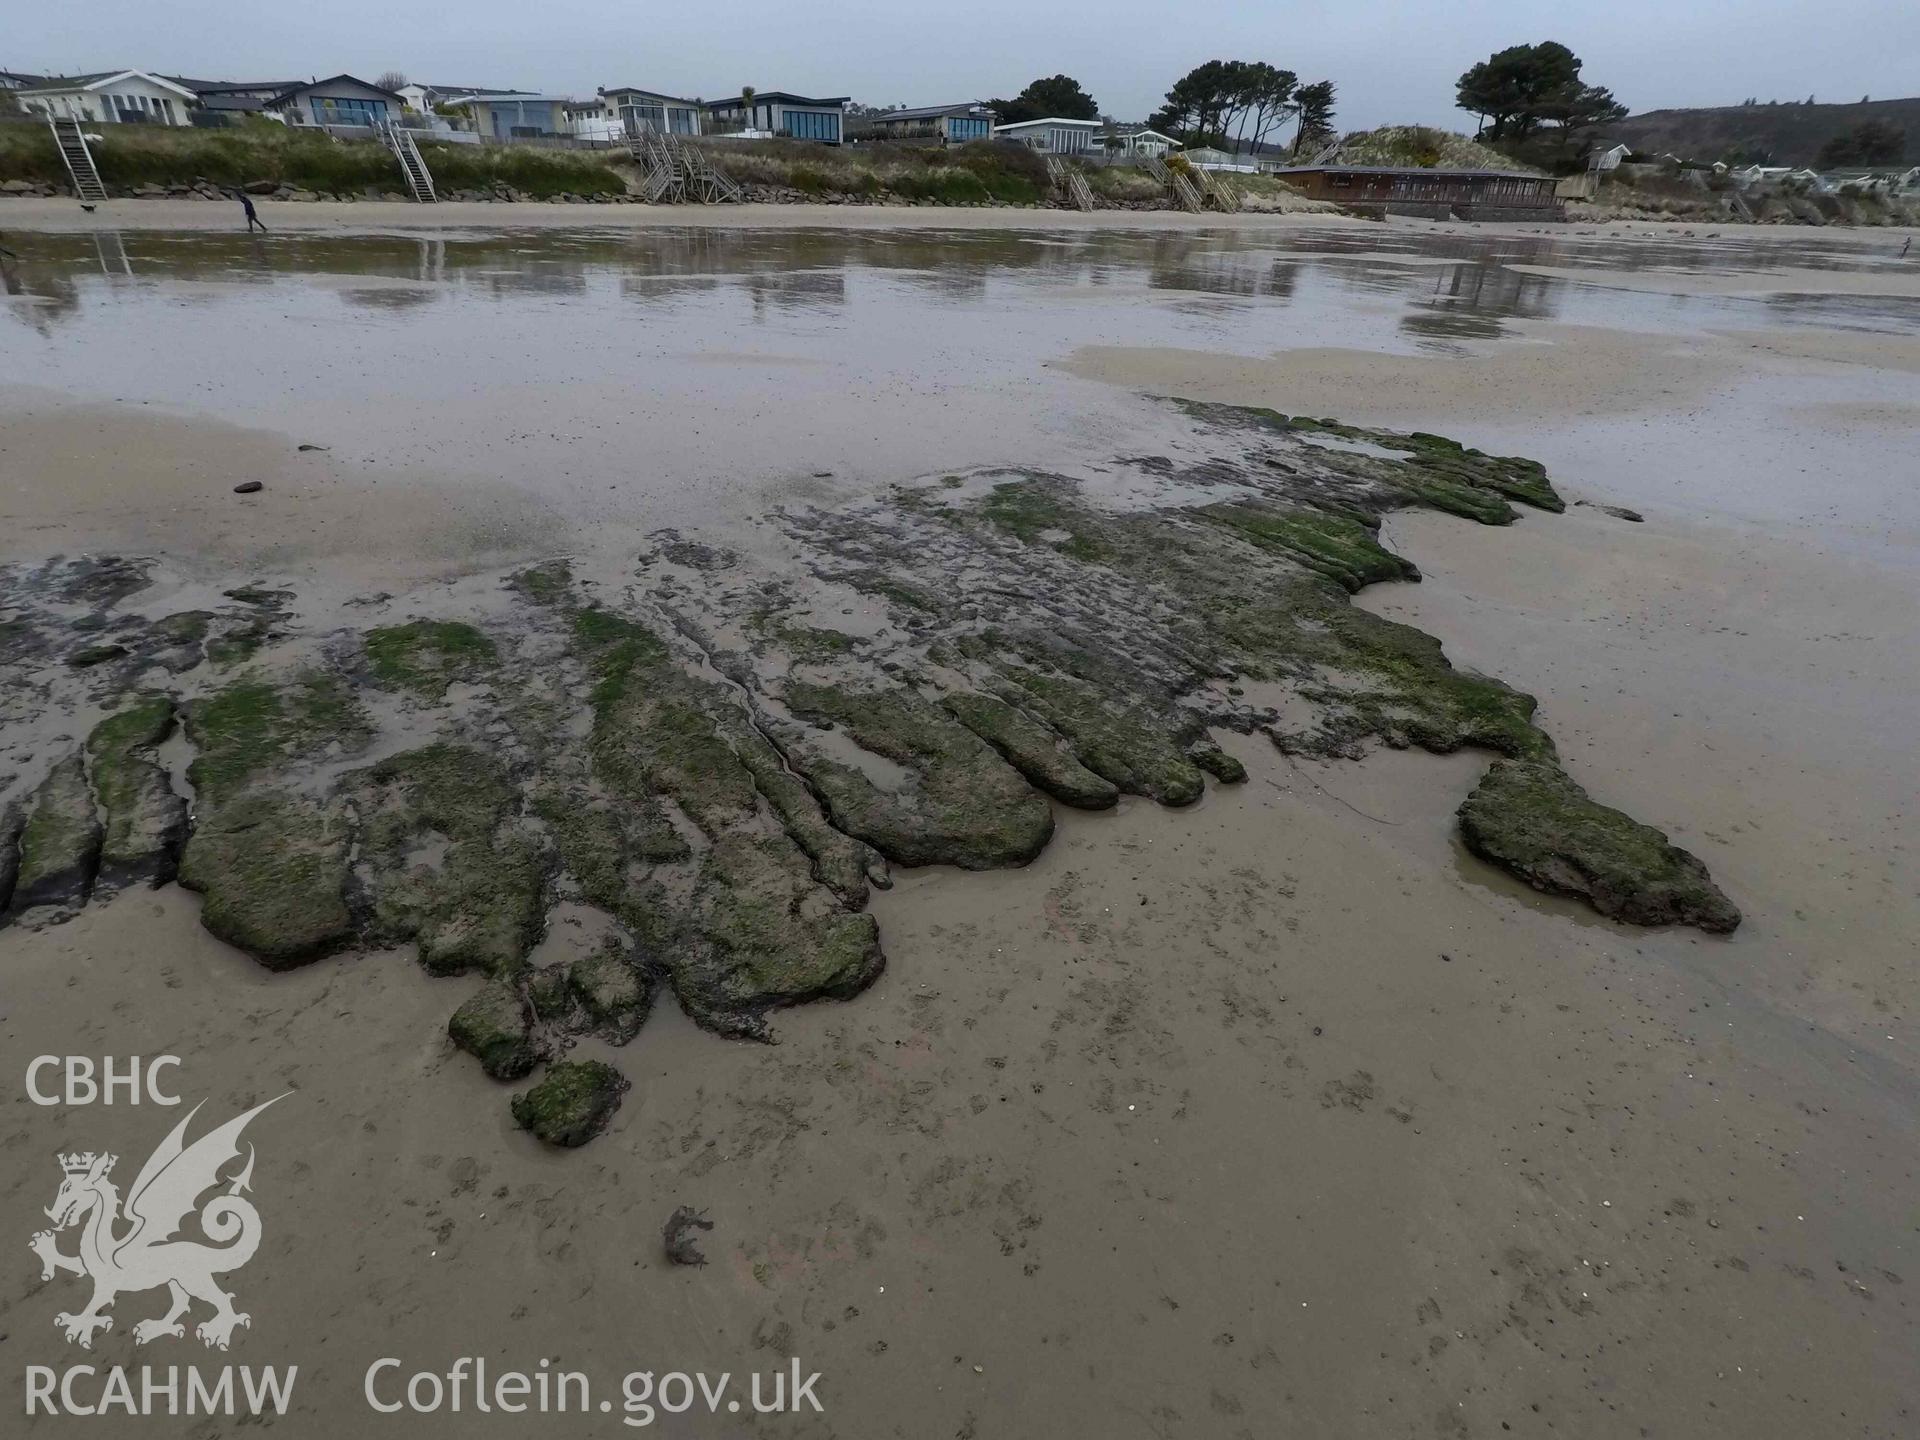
1447	287
1470	302
696	370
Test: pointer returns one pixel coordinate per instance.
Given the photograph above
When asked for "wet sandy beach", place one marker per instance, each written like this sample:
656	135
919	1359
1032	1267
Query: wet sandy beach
1278	1114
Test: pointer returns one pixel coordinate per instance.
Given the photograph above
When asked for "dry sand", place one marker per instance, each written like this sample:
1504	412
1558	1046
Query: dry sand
1276	1116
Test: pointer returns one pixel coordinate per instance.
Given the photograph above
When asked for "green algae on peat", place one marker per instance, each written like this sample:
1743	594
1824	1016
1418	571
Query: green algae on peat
60	843
727	811
481	906
1531	818
495	1026
426	656
964	805
572	1102
271	866
146	822
12	822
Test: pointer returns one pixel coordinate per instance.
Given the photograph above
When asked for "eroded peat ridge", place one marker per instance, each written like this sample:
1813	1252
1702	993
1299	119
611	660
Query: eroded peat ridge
689	754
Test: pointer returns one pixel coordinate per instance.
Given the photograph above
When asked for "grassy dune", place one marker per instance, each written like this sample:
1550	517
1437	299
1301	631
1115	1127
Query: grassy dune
982	173
965	174
132	155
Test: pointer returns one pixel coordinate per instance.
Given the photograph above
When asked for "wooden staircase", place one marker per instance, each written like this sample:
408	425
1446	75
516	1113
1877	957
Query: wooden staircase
72	144
706	182
1218	191
677	173
412	165
1079	188
1068	180
660	181
1183	191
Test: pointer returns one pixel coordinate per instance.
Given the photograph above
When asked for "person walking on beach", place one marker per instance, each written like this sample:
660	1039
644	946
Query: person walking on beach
253	219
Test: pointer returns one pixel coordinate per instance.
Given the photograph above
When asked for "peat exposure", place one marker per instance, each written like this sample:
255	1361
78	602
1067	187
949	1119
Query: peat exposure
721	779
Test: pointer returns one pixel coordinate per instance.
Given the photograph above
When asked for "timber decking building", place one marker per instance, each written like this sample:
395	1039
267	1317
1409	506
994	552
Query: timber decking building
1435	194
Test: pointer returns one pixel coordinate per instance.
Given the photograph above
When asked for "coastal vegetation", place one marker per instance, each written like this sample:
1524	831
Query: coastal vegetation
265	154
1535	90
1422	146
1780	132
1231	104
270	158
976	173
1871	142
1055	97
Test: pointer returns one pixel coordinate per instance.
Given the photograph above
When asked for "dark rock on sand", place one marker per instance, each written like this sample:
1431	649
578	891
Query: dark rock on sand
495	1026
1033	749
616	992
99	580
1530	818
548	583
1430	469
758	930
843	864
1124	738
12	821
1343	547
146	822
88	656
572	1103
963	805
681	1245
1619	512
18	641
60	845
177	642
694	554
248	487
479	904
271	861
273	868
763	935
726	810
552	999
260	595
186	627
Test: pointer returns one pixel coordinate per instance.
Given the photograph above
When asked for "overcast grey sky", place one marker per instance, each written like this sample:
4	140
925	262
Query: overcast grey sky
1393	60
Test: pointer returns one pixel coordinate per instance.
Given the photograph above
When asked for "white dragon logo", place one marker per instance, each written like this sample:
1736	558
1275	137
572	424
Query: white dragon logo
147	1256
